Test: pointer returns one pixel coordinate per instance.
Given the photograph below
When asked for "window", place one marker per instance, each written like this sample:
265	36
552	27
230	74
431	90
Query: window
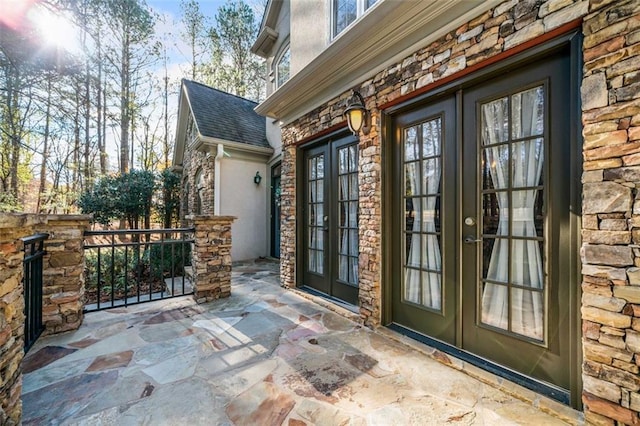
344	12
283	66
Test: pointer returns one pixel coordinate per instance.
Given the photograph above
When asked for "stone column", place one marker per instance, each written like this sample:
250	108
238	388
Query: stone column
12	228
63	273
611	214
211	257
370	221
288	214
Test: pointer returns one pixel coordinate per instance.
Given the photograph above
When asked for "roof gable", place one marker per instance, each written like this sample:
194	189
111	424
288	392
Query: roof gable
224	116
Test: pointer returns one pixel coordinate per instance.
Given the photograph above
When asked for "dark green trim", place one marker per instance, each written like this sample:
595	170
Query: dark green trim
575	188
387	249
546	389
571	41
326	282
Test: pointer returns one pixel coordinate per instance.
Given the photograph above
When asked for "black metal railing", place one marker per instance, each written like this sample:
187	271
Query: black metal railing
126	267
32	283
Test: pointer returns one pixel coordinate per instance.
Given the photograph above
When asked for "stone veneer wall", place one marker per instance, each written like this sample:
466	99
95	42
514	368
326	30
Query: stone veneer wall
611	212
63	287
63	271
193	162
11	317
211	257
611	222
507	25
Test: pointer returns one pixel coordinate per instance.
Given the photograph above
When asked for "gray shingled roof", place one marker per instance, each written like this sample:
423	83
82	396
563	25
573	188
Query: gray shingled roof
224	116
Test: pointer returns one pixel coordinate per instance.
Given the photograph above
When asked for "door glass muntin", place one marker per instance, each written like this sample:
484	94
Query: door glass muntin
422	252
512	292
316	219
348	196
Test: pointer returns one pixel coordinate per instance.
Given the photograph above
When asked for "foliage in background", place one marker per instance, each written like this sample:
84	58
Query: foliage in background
116	278
229	66
174	254
124	269
168	207
74	112
122	197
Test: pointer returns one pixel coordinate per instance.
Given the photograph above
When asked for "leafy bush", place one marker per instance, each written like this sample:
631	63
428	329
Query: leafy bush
117	278
176	252
126	196
168	205
141	266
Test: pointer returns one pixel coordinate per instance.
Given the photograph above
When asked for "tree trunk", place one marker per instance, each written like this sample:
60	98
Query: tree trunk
45	150
99	107
76	142
166	113
125	98
13	113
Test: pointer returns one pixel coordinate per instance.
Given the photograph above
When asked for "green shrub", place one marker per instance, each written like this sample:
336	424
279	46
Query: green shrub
117	278
161	257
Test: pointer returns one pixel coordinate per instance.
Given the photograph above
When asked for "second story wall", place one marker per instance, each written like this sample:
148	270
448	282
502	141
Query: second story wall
283	29
310	25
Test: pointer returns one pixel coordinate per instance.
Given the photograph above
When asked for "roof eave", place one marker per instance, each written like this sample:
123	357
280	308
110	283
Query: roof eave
181	127
265	41
267	35
204	142
384	36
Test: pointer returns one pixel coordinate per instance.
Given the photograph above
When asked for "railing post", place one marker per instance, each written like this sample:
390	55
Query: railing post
63	279
211	257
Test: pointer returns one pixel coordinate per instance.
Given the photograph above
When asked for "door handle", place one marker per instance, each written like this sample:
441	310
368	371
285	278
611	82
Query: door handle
469	239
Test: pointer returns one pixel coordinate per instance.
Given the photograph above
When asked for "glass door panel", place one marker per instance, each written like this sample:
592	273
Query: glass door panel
331	219
424	298
348	215
512	152
423	257
515	271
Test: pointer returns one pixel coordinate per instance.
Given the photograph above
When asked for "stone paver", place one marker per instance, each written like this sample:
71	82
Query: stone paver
264	356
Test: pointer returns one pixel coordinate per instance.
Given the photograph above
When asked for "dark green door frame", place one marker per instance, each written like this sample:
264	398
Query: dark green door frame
570	44
323	237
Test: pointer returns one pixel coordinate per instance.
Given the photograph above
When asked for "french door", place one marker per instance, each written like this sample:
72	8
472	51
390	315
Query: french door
426	161
483	222
330	211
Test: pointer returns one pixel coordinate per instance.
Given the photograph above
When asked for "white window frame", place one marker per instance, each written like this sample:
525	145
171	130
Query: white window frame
361	9
286	47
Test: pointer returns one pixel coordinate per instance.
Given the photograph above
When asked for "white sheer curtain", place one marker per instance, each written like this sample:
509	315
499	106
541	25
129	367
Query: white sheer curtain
343	269
348	205
313	243
354	251
424	251
527	307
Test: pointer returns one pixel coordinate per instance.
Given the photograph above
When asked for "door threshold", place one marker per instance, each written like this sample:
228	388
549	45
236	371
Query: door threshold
559	399
334	300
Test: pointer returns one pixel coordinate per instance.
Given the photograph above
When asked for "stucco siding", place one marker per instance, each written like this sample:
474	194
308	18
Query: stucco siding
242	198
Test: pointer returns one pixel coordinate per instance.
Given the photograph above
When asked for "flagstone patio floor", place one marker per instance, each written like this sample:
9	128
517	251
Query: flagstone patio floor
264	356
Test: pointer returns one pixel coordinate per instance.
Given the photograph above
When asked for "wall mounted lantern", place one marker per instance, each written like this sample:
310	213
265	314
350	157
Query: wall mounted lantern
356	114
257	178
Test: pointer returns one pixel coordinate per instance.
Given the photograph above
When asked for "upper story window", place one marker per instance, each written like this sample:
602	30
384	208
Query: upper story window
344	12
283	66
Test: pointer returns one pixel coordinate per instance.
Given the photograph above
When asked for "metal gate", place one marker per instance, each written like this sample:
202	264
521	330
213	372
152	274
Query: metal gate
32	283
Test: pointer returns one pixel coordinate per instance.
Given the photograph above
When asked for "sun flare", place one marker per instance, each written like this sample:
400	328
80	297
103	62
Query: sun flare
54	27
34	18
